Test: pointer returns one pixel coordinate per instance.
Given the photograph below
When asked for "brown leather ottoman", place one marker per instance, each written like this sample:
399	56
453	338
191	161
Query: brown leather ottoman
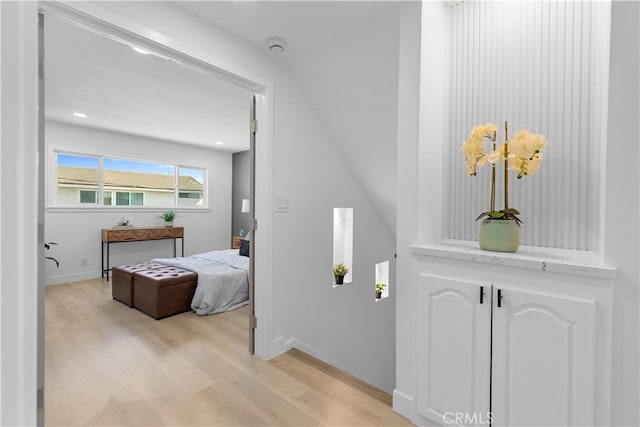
122	280
163	292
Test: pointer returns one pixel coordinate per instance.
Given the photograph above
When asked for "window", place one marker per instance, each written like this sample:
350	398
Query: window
77	179
88	196
129	199
184	195
190	187
91	197
134	182
157	180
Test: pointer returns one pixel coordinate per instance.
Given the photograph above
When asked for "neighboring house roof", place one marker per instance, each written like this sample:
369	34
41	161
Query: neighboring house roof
88	176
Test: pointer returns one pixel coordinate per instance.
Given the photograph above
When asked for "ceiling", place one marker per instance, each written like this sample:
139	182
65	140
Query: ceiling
306	26
146	95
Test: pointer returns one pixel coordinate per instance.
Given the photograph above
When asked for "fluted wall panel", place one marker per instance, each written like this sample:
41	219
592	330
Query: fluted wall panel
543	66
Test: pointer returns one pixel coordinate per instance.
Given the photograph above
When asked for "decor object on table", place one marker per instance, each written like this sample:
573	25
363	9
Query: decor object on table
123	222
379	288
500	229
339	271
241	232
168	217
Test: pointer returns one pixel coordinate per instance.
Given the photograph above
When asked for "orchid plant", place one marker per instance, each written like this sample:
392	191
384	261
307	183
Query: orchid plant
522	154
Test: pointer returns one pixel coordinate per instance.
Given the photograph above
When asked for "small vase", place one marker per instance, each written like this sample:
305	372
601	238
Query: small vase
339	280
499	235
168	223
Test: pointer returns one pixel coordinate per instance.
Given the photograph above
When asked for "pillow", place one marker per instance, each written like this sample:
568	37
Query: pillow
244	248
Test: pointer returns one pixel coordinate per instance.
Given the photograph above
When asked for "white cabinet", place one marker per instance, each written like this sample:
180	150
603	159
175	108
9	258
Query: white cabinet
543	359
518	356
454	347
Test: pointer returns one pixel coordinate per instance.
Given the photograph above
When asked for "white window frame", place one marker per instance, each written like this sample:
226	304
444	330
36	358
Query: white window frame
52	174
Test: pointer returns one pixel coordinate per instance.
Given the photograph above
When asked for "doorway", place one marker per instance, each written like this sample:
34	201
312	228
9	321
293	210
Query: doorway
261	193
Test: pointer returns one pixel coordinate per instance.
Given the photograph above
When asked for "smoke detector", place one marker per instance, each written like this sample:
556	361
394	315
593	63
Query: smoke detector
276	44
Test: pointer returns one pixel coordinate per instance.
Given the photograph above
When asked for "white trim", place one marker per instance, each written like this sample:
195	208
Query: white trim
403	404
295	343
51	170
19	247
265	346
73	277
125	209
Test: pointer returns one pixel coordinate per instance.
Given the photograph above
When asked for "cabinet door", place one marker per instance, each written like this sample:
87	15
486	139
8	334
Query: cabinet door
543	368
454	350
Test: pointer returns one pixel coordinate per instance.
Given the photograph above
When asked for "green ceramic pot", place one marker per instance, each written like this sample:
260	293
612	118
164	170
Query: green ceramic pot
499	235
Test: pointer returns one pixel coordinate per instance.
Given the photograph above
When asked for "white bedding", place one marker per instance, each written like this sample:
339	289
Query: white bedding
223	280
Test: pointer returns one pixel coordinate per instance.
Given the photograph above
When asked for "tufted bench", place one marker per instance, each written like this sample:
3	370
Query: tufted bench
122	280
163	292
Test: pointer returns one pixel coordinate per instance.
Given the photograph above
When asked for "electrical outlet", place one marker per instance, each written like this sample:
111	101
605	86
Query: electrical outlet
84	262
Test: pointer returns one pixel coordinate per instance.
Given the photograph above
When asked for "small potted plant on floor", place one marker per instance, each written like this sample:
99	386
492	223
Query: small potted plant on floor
339	271
379	288
168	217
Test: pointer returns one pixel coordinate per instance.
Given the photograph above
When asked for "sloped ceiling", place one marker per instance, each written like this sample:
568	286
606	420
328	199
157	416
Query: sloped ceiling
344	55
125	91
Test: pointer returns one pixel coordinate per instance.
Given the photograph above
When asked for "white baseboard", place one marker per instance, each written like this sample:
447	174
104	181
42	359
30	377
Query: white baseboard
292	342
73	277
278	346
404	405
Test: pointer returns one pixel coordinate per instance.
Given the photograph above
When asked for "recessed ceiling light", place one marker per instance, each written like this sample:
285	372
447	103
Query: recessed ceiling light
219	143
81	115
139	50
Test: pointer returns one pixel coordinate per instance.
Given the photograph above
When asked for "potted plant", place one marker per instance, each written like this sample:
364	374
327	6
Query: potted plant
168	217
379	288
339	271
500	228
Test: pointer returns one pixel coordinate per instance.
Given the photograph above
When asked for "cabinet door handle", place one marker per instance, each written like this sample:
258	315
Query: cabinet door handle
481	294
499	298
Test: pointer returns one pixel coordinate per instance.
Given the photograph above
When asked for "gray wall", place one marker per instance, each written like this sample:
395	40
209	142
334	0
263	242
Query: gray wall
240	191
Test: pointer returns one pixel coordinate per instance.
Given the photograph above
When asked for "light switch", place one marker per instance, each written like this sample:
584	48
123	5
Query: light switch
282	204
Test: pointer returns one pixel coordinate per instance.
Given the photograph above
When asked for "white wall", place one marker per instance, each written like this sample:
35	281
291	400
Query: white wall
352	84
621	211
77	230
241	175
620	208
344	327
407	203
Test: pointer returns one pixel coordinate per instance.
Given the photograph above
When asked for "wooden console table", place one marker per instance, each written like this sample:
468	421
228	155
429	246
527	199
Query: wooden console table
137	234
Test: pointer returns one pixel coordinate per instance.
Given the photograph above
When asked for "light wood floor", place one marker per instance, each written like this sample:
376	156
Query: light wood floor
108	364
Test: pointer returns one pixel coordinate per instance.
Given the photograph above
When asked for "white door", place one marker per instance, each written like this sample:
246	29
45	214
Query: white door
543	359
454	350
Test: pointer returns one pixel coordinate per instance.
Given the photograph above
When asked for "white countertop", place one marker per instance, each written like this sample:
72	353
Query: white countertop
527	257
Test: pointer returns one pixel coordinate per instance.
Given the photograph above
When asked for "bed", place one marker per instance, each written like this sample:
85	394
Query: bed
223	279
